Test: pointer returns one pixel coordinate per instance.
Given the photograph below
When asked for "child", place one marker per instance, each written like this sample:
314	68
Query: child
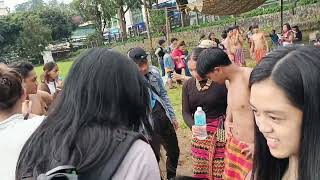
274	39
168	66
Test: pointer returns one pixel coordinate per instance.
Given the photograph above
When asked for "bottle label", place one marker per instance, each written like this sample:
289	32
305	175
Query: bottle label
199	119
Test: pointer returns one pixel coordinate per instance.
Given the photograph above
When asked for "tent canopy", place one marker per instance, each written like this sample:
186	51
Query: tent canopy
224	7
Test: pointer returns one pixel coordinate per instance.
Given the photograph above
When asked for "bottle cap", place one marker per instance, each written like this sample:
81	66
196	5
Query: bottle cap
199	109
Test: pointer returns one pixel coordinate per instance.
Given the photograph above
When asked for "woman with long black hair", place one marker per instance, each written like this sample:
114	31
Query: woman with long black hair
285	98
104	98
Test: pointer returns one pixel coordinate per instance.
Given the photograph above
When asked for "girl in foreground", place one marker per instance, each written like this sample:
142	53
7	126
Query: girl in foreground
104	98
285	98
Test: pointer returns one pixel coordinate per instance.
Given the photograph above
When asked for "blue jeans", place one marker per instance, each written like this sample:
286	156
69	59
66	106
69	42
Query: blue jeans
161	62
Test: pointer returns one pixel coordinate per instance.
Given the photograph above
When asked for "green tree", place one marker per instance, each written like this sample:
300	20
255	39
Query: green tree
102	11
124	6
98	11
33	38
58	20
157	20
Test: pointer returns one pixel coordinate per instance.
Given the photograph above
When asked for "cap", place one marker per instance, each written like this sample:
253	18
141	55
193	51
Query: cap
137	53
199	109
207	44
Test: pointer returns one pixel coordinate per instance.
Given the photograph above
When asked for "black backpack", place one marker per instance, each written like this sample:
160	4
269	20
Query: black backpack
124	140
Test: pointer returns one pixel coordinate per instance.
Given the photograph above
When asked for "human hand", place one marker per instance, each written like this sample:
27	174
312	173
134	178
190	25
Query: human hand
248	151
195	131
59	84
176	76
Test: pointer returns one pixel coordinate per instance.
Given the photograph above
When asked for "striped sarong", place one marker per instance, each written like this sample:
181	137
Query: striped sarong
239	58
237	167
259	54
208	155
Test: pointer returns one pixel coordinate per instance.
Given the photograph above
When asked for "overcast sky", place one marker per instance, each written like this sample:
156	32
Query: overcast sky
12	3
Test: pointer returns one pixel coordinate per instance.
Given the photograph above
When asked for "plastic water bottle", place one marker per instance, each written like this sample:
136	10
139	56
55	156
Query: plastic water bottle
201	123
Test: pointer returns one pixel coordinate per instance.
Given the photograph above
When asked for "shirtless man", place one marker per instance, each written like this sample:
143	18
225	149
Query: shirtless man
259	46
237	41
229	45
37	101
215	65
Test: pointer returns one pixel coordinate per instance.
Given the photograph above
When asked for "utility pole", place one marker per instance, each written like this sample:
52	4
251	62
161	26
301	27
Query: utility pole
147	23
167	26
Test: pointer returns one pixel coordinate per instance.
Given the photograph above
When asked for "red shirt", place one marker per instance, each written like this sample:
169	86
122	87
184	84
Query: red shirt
177	55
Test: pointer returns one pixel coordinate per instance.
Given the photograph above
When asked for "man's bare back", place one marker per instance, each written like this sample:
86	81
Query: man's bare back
239	112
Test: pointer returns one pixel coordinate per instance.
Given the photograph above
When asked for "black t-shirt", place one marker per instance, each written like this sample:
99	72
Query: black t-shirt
161	52
298	37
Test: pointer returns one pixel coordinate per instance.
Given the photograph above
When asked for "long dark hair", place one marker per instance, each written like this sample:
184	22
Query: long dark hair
288	26
209	36
103	92
46	69
296	70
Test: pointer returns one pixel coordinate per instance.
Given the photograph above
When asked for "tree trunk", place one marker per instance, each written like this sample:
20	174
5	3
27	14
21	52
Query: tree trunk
123	23
98	20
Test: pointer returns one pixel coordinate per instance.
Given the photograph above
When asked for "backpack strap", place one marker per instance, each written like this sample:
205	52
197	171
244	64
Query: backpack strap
126	140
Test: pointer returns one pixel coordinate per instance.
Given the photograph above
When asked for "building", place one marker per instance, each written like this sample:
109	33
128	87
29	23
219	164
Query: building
4	11
135	22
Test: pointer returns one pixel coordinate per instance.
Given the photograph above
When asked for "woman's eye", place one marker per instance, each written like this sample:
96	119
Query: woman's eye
274	118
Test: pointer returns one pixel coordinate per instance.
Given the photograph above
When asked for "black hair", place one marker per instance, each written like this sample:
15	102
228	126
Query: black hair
23	68
256	26
161	42
230	29
296	27
288	26
273	30
202	36
173	39
224	34
10	87
295	70
209	36
250	28
196	52
104	92
210	59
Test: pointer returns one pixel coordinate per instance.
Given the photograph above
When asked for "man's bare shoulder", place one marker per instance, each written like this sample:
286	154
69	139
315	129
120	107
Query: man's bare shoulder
246	72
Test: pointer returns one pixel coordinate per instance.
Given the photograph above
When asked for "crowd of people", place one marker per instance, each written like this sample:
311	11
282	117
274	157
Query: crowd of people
110	116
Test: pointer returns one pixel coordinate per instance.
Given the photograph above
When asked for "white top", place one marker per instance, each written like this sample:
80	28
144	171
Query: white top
52	87
14	132
140	163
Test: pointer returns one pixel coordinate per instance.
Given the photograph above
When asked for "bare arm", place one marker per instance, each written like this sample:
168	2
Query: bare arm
266	42
186	113
252	47
157	53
